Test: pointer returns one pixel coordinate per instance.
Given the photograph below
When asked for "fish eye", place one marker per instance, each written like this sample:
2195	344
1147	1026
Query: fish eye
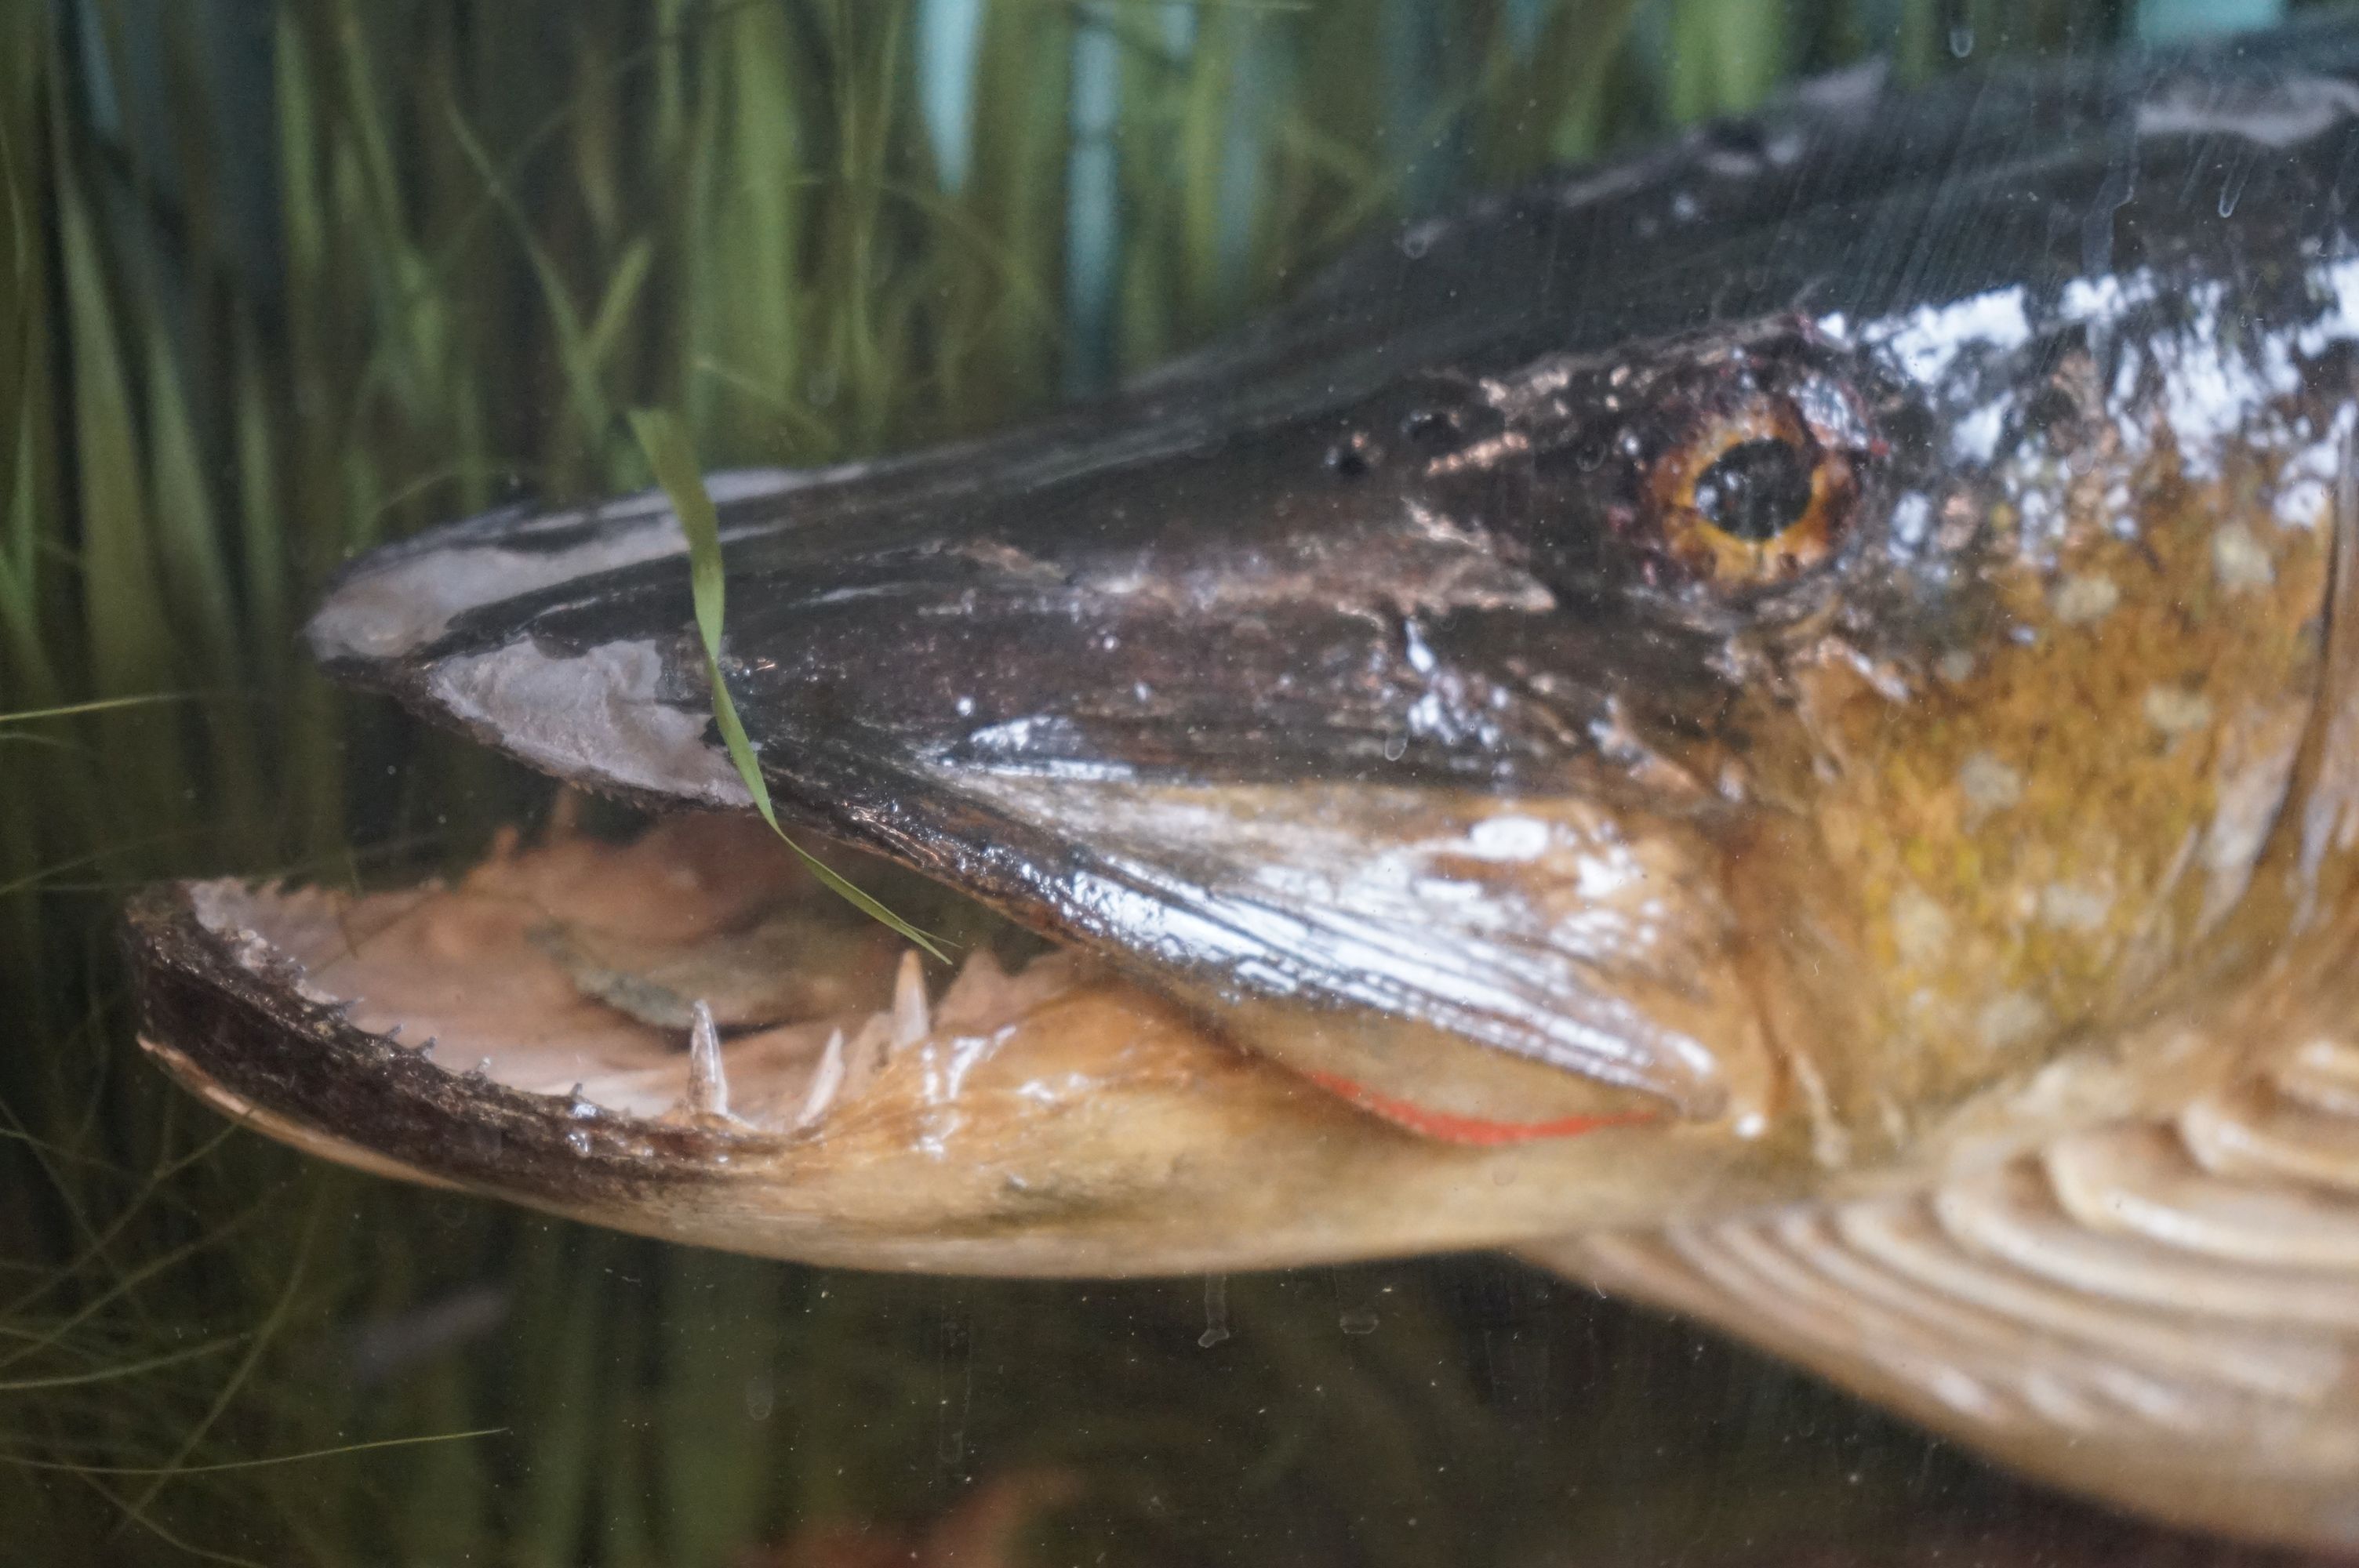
1751	496
1757	489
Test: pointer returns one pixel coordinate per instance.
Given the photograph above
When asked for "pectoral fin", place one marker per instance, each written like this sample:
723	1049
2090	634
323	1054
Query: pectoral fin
2123	1315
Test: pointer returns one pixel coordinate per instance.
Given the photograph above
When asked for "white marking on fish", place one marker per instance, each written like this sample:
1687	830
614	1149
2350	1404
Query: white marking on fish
1989	783
2174	710
2239	560
596	716
2082	599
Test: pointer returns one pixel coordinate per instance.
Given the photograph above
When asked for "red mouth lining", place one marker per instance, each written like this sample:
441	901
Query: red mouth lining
1451	1127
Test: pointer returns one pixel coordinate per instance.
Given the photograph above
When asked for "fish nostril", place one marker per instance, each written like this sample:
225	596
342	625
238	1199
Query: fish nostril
1740	138
1433	430
1353	456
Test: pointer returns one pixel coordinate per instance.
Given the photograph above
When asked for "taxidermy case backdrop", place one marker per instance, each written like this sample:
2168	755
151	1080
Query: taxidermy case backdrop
290	280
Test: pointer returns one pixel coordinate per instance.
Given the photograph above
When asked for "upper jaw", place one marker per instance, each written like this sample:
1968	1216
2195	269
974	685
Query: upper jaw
1088	698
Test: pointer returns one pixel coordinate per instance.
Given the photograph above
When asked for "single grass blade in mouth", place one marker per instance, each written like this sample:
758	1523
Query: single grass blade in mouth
673	458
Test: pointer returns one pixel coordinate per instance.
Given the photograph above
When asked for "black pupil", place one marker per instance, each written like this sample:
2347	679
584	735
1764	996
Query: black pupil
1757	490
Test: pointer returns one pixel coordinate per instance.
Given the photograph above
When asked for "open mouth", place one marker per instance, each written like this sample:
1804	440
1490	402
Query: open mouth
683	1034
585	1024
696	974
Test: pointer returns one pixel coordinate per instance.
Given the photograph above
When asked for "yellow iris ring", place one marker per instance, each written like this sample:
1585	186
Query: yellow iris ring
1713	553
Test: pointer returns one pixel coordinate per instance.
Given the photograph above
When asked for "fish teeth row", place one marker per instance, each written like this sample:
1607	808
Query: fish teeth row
845	1067
980	1001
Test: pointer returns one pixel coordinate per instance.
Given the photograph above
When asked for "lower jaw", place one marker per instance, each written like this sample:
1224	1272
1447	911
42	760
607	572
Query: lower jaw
572	971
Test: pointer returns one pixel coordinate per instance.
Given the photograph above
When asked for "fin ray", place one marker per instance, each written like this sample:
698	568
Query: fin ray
2165	1314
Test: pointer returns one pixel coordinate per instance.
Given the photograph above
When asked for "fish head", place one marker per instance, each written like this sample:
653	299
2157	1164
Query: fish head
1748	671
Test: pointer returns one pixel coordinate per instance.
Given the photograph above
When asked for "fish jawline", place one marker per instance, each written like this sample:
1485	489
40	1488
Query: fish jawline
1057	1119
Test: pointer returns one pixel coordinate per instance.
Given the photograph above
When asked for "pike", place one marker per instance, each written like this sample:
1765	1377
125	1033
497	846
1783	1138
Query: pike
1773	725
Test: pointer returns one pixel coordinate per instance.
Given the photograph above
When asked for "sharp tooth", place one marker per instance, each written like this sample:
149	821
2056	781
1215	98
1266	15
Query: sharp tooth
976	995
565	813
866	1056
910	1023
707	1088
825	1082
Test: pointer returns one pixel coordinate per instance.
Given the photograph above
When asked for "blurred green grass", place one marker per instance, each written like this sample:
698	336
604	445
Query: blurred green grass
290	277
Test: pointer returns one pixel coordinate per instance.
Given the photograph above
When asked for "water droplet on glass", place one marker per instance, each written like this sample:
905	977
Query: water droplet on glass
1962	40
1359	1320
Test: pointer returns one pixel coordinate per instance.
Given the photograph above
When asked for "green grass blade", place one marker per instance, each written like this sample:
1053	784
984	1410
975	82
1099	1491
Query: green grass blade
130	643
259	523
98	704
187	536
673	458
119	1370
334	1451
581	375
